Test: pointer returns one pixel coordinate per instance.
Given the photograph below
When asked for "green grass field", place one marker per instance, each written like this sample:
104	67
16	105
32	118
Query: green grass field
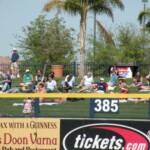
77	109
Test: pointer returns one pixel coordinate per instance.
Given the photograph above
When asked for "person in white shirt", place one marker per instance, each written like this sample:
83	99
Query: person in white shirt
51	85
68	83
86	82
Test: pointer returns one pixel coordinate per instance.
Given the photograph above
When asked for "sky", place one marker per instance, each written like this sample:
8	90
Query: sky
16	14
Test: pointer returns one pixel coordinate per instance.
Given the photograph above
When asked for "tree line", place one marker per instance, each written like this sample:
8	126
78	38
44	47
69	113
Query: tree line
51	41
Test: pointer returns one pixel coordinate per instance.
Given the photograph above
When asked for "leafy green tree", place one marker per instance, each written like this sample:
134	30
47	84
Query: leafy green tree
47	41
105	34
132	45
105	55
82	7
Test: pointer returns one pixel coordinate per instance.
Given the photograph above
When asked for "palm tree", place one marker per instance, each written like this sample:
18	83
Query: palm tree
145	16
82	7
107	36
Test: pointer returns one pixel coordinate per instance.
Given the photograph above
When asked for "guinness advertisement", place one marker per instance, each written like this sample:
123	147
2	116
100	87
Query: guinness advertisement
29	134
105	135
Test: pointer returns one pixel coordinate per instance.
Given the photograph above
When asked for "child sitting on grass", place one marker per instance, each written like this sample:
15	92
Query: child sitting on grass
27	106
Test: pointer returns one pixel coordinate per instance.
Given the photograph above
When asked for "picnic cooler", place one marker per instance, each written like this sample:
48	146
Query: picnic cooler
58	70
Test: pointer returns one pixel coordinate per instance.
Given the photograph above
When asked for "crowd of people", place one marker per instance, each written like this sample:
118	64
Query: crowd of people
30	83
87	84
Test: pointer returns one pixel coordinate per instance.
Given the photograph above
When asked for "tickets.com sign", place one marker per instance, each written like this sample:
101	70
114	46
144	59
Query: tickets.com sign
69	134
104	136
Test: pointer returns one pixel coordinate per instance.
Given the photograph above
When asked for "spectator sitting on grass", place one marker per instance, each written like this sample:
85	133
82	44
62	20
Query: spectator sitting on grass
6	81
39	77
101	86
41	89
138	79
138	82
51	85
52	74
27	81
148	79
1	89
1	75
86	83
123	86
113	80
68	83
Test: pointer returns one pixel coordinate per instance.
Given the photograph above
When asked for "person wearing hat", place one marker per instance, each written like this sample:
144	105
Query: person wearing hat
15	55
14	63
101	86
27	79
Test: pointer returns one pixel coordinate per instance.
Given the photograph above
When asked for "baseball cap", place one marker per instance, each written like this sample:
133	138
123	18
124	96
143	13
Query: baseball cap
102	79
27	70
14	49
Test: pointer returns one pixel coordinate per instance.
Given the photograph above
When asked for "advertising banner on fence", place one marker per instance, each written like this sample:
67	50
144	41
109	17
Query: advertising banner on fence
124	71
105	135
69	134
29	134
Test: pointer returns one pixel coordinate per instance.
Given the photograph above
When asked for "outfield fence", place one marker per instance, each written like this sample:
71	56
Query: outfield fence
77	105
73	68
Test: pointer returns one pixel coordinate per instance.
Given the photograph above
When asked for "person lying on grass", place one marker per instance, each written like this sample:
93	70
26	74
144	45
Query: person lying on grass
144	88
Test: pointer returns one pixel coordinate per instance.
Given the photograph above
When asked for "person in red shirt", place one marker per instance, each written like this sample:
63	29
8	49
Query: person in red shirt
101	86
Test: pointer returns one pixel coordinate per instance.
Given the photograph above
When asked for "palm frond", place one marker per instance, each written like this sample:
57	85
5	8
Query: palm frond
106	35
52	4
116	3
101	7
73	6
144	14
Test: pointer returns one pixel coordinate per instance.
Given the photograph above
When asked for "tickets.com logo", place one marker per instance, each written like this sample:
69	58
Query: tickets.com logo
105	136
